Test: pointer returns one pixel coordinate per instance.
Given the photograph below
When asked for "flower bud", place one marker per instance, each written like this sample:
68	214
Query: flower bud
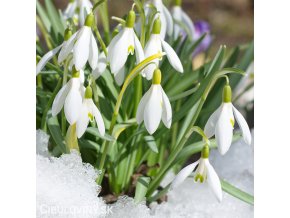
156	26
227	94
130	19
88	92
156	77
90	20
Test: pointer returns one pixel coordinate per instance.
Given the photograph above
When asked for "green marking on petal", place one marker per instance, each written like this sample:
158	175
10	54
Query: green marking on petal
91	117
131	49
232	122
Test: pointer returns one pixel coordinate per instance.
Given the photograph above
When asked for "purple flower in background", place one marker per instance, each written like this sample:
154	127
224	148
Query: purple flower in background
202	27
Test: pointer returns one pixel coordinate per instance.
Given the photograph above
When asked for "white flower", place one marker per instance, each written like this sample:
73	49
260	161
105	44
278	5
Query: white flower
156	45
89	111
180	16
154	106
221	123
204	172
83	6
83	46
70	96
63	47
123	44
165	16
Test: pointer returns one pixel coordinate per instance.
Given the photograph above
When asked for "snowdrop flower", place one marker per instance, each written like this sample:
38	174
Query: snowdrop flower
154	106
181	17
70	96
83	6
165	16
221	123
83	46
204	172
155	45
68	39
89	111
123	44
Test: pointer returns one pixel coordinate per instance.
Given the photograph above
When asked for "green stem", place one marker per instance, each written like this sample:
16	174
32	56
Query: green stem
130	77
103	45
175	127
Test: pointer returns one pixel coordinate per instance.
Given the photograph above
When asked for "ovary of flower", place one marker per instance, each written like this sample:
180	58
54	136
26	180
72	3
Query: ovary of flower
154	106
180	16
89	111
221	124
70	96
123	44
204	172
83	6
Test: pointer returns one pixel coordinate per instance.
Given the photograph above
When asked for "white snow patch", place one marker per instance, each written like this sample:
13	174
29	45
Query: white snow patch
42	143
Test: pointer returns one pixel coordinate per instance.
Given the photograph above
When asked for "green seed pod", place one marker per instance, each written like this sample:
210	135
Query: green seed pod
156	26
156	77
130	19
227	94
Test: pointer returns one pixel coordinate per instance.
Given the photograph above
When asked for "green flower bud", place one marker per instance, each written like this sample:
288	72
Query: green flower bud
227	94
178	2
75	72
156	77
205	152
156	26
88	92
67	34
130	19
90	20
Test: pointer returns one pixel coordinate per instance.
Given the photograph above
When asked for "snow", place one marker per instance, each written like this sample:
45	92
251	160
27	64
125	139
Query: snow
66	188
42	143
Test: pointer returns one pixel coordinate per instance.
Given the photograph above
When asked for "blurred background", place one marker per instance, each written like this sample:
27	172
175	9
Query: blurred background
232	21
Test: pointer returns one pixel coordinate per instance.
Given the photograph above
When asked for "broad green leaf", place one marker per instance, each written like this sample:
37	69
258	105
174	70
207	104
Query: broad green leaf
150	141
42	14
119	128
141	189
232	190
54	17
217	61
71	138
55	132
159	194
95	132
43	94
88	144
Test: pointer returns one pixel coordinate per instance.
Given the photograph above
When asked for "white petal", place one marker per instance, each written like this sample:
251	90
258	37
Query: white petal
153	110
138	50
67	48
101	67
183	174
85	9
120	76
81	47
159	6
243	125
73	103
94	53
213	181
83	120
169	21
188	22
176	13
70	10
82	76
58	102
224	128
172	57
99	119
209	128
46	58
141	106
166	111
118	49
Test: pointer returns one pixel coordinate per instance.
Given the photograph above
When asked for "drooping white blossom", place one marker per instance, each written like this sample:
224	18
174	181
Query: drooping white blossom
89	112
123	44
156	45
154	106
221	123
78	10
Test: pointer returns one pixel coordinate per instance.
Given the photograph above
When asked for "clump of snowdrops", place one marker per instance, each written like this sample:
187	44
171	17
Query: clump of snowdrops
129	98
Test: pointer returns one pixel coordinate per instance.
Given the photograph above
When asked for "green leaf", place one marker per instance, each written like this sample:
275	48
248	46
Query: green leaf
88	144
95	132
184	94
232	190
217	61
141	189
43	16
151	143
55	132
119	128
54	18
